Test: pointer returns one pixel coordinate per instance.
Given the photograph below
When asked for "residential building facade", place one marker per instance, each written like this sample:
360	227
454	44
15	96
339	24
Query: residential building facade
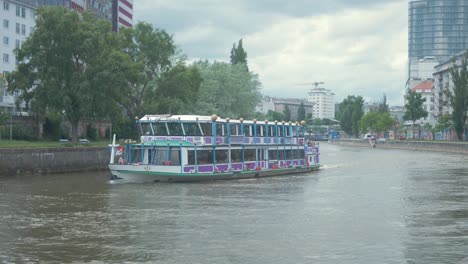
425	89
443	83
279	105
17	22
436	29
324	104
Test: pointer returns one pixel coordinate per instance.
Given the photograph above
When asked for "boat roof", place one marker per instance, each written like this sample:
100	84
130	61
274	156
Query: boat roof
204	119
164	143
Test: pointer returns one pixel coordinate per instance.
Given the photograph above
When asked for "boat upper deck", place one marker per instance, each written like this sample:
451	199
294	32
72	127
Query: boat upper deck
211	130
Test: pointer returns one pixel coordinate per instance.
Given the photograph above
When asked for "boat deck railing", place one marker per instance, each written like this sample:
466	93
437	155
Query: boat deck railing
225	140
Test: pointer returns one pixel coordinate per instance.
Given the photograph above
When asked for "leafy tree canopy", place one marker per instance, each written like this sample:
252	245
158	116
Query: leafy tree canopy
227	90
459	98
238	54
59	61
350	113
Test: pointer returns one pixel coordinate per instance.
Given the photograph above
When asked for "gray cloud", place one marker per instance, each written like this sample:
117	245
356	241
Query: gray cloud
356	47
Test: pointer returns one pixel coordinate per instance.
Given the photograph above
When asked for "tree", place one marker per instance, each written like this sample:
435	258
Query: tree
301	113
444	124
414	108
350	113
152	53
383	106
369	122
227	90
273	115
56	62
287	113
177	91
459	97
238	54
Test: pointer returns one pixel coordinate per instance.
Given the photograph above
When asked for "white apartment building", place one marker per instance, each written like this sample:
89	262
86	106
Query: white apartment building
443	82
324	104
425	89
16	23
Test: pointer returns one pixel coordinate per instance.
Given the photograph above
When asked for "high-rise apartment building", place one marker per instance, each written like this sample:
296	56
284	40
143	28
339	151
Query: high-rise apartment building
119	12
16	23
324	104
122	14
436	28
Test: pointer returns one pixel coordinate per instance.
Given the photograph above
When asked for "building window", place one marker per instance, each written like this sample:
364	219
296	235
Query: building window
23	29
5	58
18	44
17	28
23	12
6	5
5	41
6	23
18	10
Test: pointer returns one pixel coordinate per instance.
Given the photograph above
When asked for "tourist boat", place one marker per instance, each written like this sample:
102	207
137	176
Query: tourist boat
175	148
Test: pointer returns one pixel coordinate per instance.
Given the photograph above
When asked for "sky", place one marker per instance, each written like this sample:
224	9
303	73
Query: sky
355	47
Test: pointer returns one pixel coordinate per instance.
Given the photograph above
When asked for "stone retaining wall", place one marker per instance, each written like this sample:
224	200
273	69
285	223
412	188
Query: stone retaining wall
448	147
45	160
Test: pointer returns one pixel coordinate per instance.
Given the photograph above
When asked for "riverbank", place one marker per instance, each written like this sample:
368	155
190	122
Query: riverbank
447	147
52	160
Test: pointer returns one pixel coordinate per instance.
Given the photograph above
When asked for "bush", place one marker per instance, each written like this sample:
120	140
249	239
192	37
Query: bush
91	132
23	133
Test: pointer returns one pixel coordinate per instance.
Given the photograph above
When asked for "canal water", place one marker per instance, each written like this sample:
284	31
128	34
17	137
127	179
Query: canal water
364	206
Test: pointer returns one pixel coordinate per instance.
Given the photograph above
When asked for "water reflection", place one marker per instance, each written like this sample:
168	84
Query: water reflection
364	206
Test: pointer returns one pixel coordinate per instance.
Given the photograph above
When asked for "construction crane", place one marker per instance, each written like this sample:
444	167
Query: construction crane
316	84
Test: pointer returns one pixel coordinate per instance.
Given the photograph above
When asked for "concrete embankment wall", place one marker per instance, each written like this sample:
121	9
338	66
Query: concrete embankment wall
448	147
51	160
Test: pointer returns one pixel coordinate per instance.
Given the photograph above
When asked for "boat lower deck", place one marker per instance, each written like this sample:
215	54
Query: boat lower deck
149	176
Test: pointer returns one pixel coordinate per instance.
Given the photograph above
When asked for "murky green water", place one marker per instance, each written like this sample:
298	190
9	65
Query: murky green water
365	206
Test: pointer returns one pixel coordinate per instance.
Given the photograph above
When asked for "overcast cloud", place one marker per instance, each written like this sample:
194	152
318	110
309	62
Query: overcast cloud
357	47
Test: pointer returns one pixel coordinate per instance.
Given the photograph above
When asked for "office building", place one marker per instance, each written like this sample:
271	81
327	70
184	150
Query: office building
436	29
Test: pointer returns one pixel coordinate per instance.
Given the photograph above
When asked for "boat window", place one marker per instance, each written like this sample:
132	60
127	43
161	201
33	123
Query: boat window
219	130
175	157
222	156
271	131
136	155
272	154
146	129
233	128
207	129
247	130
160	129
279	131
249	155
158	155
204	157
175	129
236	155
192	129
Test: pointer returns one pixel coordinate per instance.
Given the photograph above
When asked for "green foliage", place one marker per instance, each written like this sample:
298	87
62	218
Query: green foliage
350	114
3	117
151	52
317	122
61	59
238	54
414	108
383	106
21	132
177	92
301	113
444	123
52	129
376	122
91	132
287	113
273	115
227	90
459	97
